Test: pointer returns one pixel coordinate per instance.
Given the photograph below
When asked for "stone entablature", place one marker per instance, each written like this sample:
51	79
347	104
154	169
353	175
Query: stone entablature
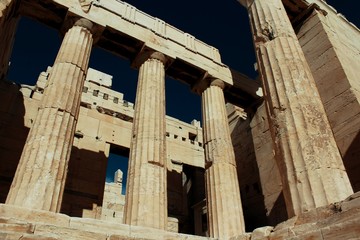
159	27
153	33
126	31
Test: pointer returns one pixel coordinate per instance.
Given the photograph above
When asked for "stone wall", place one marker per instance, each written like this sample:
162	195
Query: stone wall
259	177
331	47
105	123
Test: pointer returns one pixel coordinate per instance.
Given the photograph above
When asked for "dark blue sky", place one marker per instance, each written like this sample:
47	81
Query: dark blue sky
223	25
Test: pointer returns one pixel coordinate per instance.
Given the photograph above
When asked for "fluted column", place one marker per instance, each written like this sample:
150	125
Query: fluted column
311	167
40	177
225	215
8	24
146	193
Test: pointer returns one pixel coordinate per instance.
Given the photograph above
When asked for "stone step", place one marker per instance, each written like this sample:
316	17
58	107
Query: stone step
21	223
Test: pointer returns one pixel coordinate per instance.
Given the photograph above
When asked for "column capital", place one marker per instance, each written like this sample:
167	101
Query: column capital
217	82
85	23
75	21
159	56
79	22
202	84
149	54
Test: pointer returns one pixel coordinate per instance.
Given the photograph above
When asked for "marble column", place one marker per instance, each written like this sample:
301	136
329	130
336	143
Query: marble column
312	171
225	215
8	23
40	177
146	192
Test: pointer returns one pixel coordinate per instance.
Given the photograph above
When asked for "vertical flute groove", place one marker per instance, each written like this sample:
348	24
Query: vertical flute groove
305	148
40	177
146	192
225	214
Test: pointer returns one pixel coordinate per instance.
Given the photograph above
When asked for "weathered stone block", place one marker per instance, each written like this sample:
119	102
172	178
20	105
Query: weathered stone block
103	227
261	233
34	216
344	230
68	233
11	225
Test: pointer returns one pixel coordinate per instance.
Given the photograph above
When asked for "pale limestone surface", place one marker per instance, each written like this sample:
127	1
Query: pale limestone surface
156	34
113	203
107	122
120	17
313	173
103	123
40	178
92	137
336	221
146	195
331	47
99	78
319	38
224	208
112	208
22	223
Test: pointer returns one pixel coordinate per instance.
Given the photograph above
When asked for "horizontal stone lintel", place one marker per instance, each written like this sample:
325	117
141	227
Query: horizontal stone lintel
126	31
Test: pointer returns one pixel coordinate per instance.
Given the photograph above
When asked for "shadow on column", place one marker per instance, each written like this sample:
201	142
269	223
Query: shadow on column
13	133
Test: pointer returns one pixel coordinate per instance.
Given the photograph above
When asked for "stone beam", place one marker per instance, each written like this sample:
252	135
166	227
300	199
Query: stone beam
127	31
243	90
153	32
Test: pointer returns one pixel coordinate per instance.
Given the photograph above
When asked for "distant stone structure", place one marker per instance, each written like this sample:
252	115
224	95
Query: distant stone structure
279	166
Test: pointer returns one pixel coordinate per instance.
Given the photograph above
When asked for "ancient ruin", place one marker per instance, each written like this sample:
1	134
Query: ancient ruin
272	158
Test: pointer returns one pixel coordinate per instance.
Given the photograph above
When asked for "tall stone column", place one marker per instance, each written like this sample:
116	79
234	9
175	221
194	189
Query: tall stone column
8	24
225	215
146	193
310	165
40	177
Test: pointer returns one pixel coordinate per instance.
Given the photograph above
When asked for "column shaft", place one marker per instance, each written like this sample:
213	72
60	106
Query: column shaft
146	192
40	177
225	215
311	167
8	24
